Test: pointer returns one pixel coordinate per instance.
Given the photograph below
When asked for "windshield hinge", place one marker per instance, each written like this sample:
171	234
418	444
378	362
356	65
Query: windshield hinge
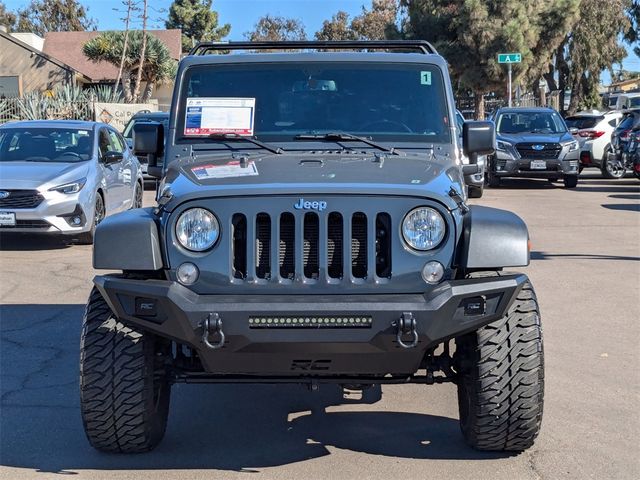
164	198
243	158
455	195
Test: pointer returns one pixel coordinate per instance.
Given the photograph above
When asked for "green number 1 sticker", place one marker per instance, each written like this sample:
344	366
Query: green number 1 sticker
425	78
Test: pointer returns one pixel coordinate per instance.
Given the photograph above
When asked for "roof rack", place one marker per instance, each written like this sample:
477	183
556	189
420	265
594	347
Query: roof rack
422	46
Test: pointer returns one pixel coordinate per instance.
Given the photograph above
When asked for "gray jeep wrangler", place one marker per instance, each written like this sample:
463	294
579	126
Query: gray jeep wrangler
312	227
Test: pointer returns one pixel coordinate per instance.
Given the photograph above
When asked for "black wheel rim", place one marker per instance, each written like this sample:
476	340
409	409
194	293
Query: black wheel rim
99	215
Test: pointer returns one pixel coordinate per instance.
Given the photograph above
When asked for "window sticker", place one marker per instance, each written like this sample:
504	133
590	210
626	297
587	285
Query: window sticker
228	170
425	78
210	116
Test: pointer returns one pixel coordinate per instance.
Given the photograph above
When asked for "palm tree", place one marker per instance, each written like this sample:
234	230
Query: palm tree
158	65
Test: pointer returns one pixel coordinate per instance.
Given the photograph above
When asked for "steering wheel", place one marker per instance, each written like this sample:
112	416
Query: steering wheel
72	153
400	127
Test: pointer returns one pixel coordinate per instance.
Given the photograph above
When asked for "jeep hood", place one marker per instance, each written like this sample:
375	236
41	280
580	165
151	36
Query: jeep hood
420	174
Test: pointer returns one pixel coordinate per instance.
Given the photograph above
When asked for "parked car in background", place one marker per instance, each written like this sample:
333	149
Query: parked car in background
533	143
628	101
64	177
475	183
594	130
145	116
619	139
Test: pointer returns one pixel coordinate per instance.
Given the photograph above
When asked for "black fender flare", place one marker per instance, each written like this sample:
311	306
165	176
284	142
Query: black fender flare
493	238
128	241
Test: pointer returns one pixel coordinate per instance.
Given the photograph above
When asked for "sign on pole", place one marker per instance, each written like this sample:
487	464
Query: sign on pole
509	59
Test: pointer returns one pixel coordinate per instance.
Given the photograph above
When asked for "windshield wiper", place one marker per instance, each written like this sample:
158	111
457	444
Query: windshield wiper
236	137
346	136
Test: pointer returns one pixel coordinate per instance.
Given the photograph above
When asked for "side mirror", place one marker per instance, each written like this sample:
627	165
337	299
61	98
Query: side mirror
112	157
573	131
478	138
148	140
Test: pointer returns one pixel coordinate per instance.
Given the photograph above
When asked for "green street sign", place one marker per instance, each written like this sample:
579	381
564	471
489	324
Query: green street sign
509	58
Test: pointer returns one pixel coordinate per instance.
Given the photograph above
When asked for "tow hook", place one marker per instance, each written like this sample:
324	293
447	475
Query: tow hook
212	325
406	325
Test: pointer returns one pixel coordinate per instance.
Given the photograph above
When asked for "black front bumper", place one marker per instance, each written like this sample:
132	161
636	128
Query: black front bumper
368	349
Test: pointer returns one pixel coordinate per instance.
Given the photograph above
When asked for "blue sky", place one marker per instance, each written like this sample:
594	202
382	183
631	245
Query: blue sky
243	14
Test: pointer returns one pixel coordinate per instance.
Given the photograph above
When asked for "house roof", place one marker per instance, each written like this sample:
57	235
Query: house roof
67	47
43	55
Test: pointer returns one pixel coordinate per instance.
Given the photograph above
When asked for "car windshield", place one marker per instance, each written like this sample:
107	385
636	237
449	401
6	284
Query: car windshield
582	122
128	130
530	122
381	101
68	145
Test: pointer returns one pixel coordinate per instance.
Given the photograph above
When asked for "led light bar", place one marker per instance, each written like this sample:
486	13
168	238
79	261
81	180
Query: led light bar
311	322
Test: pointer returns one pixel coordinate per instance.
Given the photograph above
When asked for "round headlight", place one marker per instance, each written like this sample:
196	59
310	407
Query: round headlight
197	229
423	228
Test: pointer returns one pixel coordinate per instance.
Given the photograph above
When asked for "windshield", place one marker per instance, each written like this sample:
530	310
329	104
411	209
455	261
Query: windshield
382	101
45	144
128	130
582	122
530	122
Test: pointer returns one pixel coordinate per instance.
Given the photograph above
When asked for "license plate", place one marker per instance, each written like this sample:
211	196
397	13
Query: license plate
538	165
7	219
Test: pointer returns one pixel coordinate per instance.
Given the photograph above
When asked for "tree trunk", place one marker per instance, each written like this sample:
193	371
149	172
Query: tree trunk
479	101
148	90
143	52
126	86
576	95
126	41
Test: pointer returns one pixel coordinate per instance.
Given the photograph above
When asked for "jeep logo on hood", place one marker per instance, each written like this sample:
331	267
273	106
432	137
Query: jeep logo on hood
306	205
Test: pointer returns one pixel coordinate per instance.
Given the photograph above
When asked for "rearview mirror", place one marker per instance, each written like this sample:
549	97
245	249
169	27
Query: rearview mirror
148	140
478	138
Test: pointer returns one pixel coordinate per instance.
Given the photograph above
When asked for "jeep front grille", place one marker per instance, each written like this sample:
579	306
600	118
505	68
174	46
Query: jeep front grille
308	248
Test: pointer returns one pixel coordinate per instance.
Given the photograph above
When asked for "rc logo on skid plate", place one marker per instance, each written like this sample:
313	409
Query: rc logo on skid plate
4	194
538	147
307	205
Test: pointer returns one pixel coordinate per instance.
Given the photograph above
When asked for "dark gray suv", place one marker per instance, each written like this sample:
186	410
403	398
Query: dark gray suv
312	227
533	143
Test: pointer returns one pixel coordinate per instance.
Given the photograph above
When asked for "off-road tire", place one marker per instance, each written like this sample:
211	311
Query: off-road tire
124	392
570	181
501	383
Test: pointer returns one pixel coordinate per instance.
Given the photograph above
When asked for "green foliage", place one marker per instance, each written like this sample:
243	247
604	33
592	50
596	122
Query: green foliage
7	18
42	16
198	22
633	32
374	24
471	33
158	65
274	29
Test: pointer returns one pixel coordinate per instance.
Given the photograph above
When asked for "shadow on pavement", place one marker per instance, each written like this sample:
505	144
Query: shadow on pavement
228	427
536	255
18	242
626	197
631	207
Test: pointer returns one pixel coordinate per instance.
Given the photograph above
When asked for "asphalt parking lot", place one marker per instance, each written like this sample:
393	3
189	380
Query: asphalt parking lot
586	270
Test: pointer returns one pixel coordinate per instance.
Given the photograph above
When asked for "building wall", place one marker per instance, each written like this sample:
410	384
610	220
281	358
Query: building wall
34	71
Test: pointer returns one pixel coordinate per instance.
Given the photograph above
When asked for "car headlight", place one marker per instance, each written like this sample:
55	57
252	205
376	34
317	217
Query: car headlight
197	229
573	146
502	146
71	187
423	228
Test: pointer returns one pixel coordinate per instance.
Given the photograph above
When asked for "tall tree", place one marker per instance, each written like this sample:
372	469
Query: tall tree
42	16
376	23
158	66
7	18
131	6
601	24
471	33
143	51
274	29
633	32
198	22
